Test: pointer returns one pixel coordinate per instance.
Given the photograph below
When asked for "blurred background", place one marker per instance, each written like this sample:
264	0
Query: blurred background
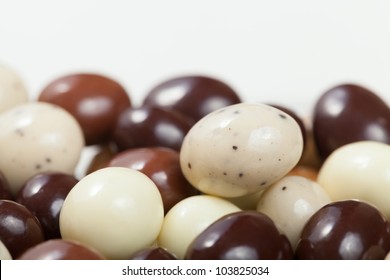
286	52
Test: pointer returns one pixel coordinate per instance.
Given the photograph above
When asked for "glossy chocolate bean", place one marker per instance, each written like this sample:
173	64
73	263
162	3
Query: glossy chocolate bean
349	113
342	230
94	100
19	228
162	166
194	96
150	126
43	195
156	253
244	235
58	249
5	190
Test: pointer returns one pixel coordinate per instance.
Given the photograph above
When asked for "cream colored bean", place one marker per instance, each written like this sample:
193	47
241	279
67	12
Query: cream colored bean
359	170
115	210
290	202
190	217
240	149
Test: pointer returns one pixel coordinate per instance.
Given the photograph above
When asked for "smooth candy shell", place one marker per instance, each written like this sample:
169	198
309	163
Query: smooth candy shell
37	137
12	89
115	210
190	217
240	149
359	170
290	202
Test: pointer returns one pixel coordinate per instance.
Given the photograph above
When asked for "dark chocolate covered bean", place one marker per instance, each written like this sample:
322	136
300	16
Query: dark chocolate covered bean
194	96
19	228
244	235
150	126
345	230
43	195
348	113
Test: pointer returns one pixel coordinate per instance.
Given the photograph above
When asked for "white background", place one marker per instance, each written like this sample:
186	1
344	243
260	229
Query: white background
286	52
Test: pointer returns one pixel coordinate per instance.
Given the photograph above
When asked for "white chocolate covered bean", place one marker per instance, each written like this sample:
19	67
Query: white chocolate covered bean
188	218
37	137
240	149
290	202
359	170
115	210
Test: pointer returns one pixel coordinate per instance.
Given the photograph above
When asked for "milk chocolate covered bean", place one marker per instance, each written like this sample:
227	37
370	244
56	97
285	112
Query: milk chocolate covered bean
94	100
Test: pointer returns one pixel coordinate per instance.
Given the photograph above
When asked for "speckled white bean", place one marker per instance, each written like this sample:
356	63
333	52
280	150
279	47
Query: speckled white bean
115	210
12	89
290	202
4	253
240	149
360	170
37	137
188	218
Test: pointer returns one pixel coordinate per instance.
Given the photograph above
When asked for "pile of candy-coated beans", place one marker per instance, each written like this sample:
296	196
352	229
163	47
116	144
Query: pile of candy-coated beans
193	172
